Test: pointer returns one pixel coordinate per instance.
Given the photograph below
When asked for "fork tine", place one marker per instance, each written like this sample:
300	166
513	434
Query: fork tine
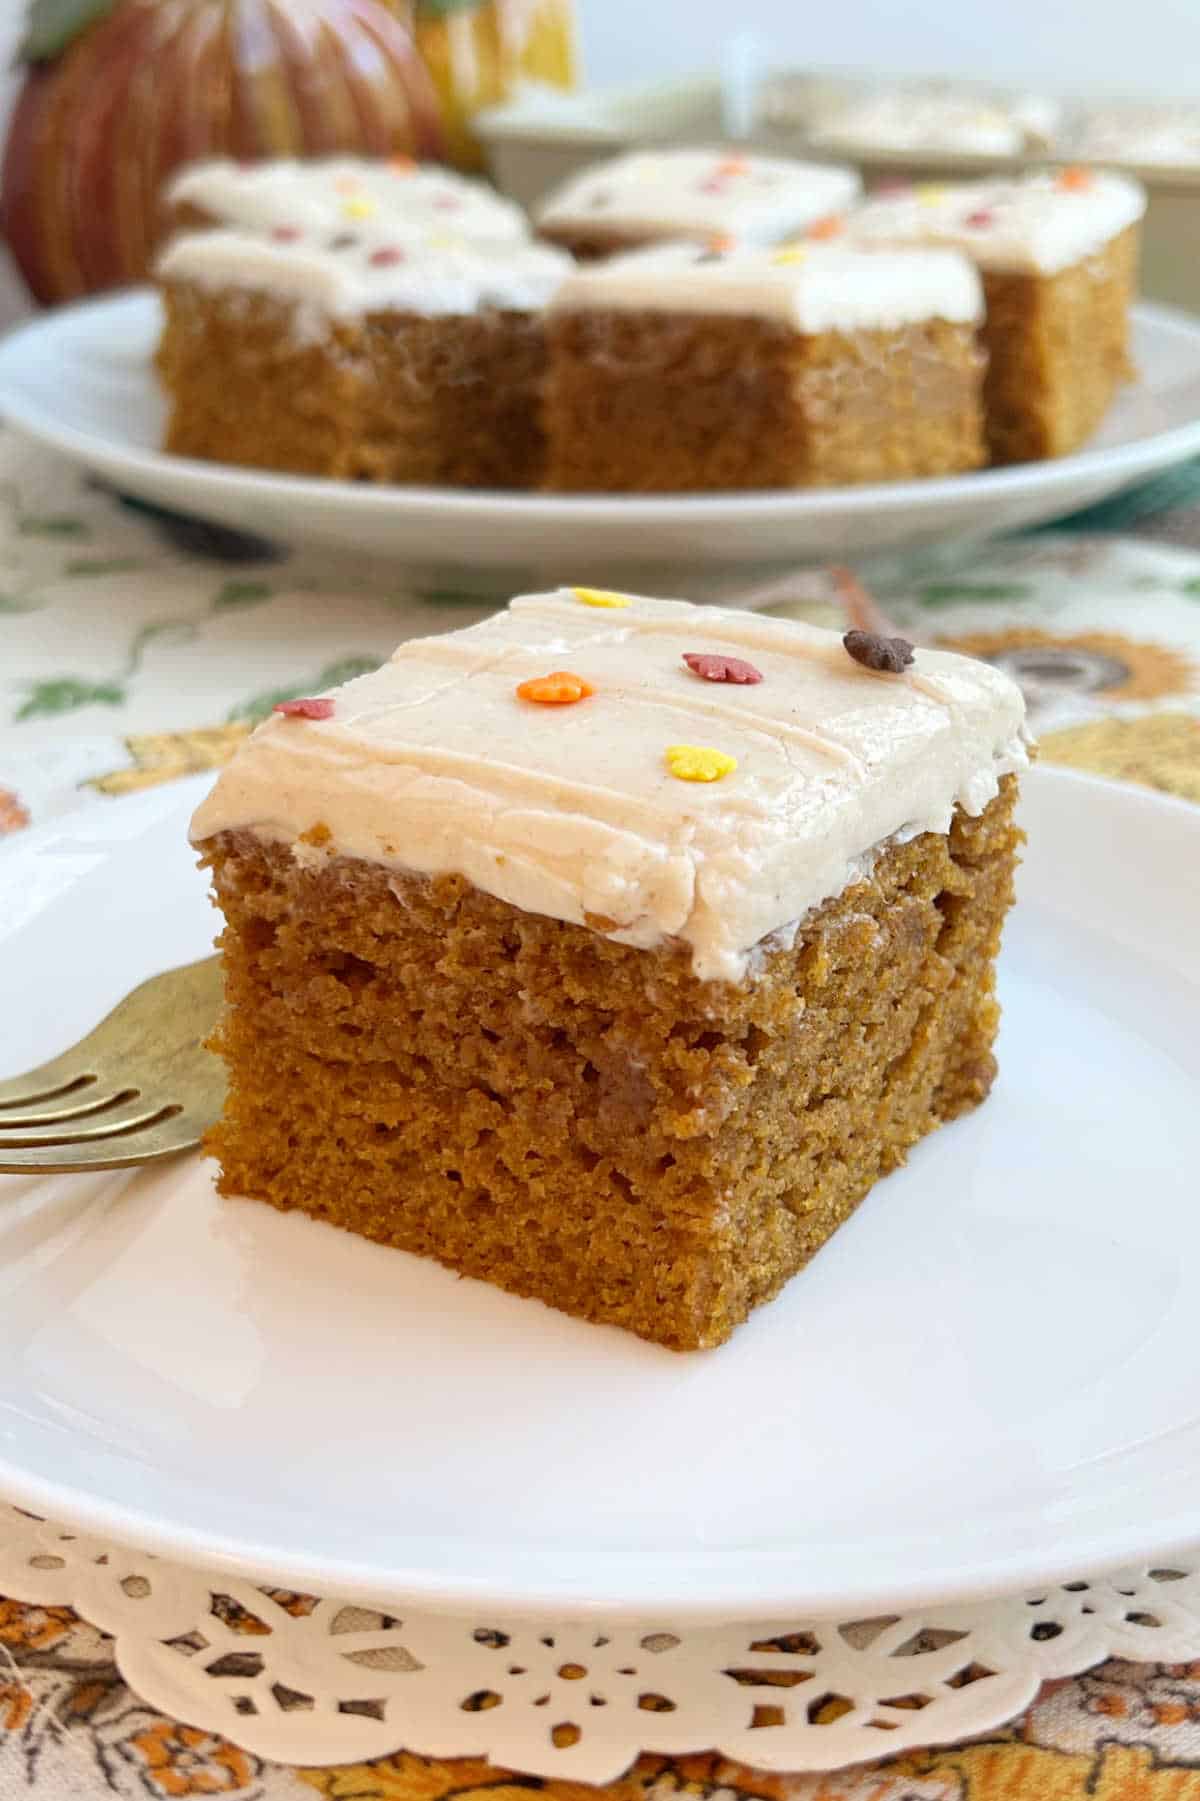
141	1086
89	1102
61	1076
68	1159
134	1116
115	1039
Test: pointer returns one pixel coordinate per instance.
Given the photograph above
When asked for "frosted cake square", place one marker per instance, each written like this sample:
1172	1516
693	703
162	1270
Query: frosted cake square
367	354
1058	254
699	196
611	949
340	193
677	368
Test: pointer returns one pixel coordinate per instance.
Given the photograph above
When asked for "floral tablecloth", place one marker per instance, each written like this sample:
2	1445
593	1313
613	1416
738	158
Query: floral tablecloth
137	647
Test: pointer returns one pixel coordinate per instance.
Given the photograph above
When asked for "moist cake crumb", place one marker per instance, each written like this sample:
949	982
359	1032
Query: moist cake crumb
509	987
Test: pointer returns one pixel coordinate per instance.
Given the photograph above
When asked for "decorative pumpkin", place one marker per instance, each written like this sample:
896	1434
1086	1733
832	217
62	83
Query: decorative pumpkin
121	92
477	51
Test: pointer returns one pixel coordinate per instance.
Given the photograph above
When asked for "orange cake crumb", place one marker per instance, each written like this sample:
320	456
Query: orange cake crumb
620	1000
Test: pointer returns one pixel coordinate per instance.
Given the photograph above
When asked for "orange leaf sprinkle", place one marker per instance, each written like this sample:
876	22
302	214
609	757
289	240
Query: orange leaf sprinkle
732	165
401	165
1076	179
831	226
559	689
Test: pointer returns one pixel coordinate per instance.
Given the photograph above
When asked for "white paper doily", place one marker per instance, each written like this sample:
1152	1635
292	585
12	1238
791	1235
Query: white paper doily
313	1681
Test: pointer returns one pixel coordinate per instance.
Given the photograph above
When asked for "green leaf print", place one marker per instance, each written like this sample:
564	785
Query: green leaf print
19	603
53	525
450	597
439	9
943	594
333	674
66	693
240	594
102	565
179	629
1191	587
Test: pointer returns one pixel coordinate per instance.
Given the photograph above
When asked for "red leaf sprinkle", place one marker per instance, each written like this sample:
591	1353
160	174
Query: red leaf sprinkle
286	234
712	668
982	216
384	259
305	709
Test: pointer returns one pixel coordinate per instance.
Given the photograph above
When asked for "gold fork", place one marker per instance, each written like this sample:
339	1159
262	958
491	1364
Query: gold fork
139	1087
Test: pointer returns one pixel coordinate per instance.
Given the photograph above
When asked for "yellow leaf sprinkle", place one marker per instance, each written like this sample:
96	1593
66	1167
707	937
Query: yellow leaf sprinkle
931	195
699	763
600	597
791	253
358	209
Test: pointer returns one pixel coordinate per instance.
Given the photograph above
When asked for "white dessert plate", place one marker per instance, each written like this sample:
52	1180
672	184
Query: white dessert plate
986	1380
81	379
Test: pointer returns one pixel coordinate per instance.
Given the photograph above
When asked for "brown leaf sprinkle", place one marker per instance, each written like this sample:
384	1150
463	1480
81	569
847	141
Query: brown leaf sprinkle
874	651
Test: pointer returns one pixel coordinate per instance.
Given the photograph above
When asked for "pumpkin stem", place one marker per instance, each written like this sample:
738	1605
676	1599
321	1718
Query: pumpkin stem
52	25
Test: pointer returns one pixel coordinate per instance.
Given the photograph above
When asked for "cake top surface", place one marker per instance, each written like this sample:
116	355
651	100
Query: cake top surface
1166	135
811	287
649	768
329	193
937	118
699	194
373	269
1040	223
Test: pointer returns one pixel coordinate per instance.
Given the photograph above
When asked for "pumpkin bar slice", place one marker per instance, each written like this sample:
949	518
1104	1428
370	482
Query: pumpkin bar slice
340	193
699	196
369	355
680	369
610	950
1058	254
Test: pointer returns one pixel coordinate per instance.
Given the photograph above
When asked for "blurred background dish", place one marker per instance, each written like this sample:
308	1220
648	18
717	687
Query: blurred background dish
926	116
80	381
895	130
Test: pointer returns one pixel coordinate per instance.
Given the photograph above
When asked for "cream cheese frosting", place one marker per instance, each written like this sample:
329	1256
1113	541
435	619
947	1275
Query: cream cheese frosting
1163	135
811	287
953	120
434	764
932	115
369	271
330	193
697	194
1042	223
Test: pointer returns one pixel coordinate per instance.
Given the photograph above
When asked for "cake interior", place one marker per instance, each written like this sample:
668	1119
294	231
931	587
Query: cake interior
243	387
390	397
584	1122
1058	351
642	401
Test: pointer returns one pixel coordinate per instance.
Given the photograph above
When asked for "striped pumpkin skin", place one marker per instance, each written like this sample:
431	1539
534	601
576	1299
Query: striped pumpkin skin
97	132
478	50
